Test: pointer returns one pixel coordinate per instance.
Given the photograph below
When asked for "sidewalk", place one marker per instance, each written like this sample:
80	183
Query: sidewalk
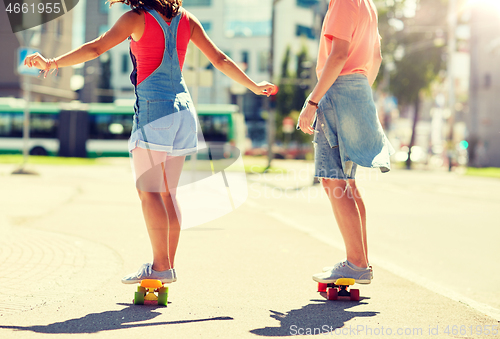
243	275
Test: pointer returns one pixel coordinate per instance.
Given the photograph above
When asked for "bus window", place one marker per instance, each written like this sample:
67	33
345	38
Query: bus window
215	127
43	126
110	126
11	125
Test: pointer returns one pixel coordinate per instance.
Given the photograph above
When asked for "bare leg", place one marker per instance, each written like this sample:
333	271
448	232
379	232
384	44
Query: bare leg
351	219
169	198
160	211
362	211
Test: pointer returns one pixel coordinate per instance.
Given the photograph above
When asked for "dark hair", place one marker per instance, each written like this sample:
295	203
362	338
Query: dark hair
169	8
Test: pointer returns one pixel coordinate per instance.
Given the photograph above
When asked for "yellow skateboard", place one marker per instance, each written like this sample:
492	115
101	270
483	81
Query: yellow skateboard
340	289
151	292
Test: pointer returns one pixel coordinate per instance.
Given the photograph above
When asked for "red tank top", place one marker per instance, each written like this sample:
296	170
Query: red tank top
148	51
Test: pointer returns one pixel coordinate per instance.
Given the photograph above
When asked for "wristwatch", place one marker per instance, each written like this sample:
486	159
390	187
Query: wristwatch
312	103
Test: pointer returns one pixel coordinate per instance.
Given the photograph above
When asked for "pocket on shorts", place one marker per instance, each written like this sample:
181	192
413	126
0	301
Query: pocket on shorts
161	114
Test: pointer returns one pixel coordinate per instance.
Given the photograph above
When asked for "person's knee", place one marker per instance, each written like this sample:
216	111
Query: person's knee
171	194
334	187
332	183
148	196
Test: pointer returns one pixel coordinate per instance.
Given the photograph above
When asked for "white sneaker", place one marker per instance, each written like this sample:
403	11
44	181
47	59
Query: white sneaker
329	268
343	270
146	272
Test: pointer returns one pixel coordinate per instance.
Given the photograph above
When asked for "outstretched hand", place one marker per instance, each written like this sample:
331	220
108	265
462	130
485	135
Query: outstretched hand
265	88
36	60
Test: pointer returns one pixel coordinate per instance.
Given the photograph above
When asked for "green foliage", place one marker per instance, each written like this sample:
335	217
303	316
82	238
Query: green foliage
284	98
302	73
292	92
416	53
490	172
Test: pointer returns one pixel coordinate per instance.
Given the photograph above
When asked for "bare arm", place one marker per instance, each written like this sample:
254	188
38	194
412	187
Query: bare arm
221	61
333	66
377	61
122	29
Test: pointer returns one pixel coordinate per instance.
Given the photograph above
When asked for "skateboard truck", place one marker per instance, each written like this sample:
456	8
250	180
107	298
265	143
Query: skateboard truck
151	292
339	289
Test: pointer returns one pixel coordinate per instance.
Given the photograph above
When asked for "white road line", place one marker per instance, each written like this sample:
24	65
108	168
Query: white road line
401	272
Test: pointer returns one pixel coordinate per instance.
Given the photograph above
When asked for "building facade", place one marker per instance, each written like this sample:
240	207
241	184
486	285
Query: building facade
51	39
483	121
97	73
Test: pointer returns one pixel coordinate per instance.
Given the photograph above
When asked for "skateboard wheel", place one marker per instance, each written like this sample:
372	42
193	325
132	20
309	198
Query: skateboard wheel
162	299
322	287
141	289
332	293
163	290
275	90
354	295
139	298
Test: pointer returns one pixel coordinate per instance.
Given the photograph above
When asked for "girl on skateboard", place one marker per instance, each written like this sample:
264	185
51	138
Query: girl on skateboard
164	124
346	128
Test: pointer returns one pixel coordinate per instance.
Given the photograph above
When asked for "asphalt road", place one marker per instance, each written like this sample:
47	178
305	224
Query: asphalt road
69	234
438	229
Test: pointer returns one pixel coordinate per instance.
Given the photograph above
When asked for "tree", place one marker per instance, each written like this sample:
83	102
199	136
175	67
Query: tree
413	45
293	91
284	98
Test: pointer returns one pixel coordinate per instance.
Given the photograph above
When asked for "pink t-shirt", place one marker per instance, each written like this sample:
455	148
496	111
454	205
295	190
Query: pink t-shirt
356	22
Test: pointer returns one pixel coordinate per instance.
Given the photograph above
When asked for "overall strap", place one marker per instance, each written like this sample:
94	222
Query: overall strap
170	31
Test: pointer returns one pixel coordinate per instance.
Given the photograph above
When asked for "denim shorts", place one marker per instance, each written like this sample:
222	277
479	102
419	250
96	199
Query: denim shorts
347	130
165	125
327	160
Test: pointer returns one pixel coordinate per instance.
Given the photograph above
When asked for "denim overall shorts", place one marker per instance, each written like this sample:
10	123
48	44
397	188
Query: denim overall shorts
165	117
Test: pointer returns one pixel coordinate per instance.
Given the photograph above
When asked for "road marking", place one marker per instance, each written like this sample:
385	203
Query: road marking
394	269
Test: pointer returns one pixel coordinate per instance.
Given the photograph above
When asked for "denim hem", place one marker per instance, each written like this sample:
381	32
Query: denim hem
333	177
162	148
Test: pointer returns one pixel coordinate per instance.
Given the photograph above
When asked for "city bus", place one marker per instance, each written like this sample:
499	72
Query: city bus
108	126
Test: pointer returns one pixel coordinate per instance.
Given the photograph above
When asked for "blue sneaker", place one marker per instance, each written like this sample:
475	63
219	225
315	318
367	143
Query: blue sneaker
329	268
343	270
146	272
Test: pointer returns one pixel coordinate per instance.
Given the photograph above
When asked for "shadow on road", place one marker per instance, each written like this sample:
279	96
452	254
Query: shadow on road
320	317
107	321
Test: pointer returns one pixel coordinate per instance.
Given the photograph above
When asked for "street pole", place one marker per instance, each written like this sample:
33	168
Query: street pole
452	23
271	117
26	123
25	38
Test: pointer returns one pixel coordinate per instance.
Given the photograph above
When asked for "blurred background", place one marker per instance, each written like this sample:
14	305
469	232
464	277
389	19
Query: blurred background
435	93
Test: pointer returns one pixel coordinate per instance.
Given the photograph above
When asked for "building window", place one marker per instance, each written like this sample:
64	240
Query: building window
244	18
59	27
308	32
263	61
104	7
238	28
245	59
306	3
487	80
207	26
188	3
102	29
125	62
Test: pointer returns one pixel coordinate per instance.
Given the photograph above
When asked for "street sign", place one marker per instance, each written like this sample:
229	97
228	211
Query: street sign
22	53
